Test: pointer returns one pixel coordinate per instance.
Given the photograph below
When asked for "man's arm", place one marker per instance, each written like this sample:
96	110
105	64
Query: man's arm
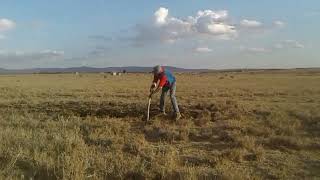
154	83
162	82
155	91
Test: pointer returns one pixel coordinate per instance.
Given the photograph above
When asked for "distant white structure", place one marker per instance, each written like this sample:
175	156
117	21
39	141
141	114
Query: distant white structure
116	73
77	73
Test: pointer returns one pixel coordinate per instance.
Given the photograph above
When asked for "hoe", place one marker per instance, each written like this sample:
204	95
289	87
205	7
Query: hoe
148	113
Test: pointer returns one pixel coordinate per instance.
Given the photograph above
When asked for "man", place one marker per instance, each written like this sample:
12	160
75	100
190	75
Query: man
166	82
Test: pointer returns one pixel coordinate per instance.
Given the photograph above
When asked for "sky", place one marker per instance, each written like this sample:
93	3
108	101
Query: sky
217	34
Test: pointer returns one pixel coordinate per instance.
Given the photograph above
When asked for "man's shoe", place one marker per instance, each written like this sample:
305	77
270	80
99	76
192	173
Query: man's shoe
178	116
163	113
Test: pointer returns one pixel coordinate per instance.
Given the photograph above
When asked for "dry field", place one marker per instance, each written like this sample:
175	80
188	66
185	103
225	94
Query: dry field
234	126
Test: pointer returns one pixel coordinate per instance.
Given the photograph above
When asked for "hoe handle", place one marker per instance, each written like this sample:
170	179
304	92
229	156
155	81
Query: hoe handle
148	113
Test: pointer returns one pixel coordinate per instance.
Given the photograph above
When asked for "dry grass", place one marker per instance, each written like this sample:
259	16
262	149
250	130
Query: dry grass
234	126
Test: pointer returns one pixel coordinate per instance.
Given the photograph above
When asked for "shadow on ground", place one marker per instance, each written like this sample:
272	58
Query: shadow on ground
120	110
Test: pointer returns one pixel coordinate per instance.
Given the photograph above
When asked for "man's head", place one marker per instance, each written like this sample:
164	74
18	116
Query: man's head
157	69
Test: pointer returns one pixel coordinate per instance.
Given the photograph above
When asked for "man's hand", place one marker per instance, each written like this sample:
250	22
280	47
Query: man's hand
154	90
150	95
153	86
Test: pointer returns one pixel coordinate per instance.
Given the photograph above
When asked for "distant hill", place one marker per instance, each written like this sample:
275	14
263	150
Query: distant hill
139	69
85	69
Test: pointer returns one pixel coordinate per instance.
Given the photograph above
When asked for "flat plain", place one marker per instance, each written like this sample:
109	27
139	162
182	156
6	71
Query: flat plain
245	125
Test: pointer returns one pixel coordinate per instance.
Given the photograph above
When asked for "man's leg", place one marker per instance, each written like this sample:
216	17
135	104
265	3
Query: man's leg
174	99
162	100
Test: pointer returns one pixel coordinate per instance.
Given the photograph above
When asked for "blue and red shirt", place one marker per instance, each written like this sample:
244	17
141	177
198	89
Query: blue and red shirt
166	79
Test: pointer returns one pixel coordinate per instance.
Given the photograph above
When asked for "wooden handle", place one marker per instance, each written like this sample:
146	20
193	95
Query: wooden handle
148	113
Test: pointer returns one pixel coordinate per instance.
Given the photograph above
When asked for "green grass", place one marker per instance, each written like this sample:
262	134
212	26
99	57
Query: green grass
242	126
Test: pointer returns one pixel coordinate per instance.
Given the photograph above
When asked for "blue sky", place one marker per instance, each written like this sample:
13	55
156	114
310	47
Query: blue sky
214	34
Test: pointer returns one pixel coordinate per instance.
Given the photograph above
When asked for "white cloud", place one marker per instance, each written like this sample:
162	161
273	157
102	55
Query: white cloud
52	53
261	50
312	13
31	59
250	23
298	45
22	59
216	15
100	38
213	22
215	28
203	50
279	24
279	46
283	45
207	24
6	24
255	49
289	44
161	16
169	29
293	44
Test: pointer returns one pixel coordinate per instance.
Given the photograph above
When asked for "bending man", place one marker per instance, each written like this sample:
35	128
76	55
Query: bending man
165	81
